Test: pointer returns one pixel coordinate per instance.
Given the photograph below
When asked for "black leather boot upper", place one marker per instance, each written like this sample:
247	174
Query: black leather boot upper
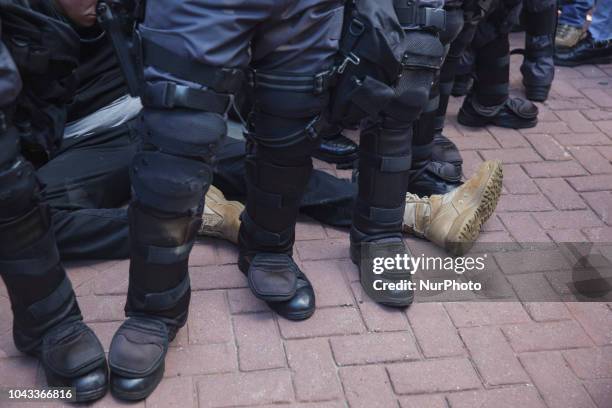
515	113
337	149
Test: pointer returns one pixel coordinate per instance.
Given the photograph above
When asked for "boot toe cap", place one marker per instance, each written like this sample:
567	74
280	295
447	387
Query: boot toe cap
301	306
134	389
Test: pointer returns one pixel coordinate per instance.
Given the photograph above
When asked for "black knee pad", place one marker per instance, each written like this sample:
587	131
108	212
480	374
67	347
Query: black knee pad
19	188
183	132
423	58
170	184
285	118
412	97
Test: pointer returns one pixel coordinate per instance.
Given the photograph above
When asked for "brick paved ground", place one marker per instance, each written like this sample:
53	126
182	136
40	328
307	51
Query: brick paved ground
234	352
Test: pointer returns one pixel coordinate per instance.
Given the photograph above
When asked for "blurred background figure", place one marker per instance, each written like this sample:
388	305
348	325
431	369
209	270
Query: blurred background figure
572	22
591	47
538	68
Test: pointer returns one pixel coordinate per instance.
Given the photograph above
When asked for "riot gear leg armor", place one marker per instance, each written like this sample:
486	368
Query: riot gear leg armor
430	176
538	67
193	64
47	322
489	101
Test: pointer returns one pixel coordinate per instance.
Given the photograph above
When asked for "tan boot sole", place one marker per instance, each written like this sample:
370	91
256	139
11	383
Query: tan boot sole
466	228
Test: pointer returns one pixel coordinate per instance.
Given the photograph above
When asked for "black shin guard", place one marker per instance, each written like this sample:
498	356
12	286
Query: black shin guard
489	102
268	226
493	72
427	177
384	172
40	292
47	321
158	299
538	67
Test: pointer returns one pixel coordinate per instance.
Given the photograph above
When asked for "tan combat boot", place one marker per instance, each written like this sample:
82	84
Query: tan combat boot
221	218
568	36
453	220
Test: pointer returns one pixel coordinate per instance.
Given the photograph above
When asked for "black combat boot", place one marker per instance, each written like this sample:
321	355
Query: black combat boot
489	102
336	148
267	234
47	321
384	171
538	67
445	151
157	302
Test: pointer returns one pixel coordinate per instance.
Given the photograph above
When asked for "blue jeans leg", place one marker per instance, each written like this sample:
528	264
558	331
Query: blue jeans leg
601	26
575	14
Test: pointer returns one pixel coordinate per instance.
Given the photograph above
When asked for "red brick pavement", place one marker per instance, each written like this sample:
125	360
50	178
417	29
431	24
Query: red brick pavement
234	352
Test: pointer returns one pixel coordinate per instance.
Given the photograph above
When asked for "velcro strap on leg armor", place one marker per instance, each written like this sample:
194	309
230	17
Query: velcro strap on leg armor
158	301
263	176
388	164
163	255
222	80
53	302
381	216
33	234
168	183
72	350
138	347
169	95
411	14
315	84
263	237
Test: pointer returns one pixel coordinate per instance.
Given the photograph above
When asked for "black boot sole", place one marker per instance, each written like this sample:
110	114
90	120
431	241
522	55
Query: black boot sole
469	120
138	395
588	61
92	395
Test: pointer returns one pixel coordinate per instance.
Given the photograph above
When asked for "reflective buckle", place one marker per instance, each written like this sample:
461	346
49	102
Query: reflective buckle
321	81
350	59
313	129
